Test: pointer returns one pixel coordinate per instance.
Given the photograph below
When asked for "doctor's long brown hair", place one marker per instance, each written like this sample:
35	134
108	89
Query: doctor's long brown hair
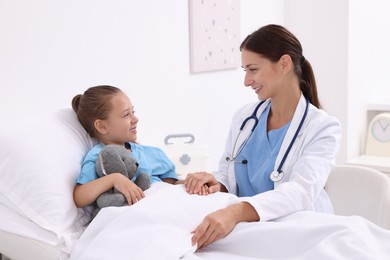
273	41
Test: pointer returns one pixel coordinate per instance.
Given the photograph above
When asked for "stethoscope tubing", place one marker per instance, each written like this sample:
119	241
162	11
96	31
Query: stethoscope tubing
252	116
294	137
278	174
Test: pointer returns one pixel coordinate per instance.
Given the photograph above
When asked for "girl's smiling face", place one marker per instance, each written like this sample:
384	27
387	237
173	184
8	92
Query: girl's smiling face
121	124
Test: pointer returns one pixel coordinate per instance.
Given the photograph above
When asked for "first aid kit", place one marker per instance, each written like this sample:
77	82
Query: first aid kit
187	156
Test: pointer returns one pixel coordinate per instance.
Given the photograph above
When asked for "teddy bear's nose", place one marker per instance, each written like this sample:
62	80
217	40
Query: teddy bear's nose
136	164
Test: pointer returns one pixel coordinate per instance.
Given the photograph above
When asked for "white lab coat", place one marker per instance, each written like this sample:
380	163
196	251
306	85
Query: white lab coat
306	169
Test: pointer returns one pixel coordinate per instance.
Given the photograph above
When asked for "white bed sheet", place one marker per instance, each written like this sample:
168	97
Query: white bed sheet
159	227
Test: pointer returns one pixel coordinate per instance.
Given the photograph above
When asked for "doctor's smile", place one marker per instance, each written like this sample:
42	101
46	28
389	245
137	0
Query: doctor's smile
257	89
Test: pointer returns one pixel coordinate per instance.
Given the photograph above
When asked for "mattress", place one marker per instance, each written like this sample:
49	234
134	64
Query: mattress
12	244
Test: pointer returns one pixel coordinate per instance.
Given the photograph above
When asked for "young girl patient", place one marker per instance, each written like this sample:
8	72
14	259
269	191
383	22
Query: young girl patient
107	114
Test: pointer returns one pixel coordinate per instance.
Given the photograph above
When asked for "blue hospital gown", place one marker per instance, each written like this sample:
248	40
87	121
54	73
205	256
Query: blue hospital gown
152	161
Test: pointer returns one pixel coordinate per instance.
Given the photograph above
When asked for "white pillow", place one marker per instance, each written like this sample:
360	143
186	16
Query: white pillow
40	159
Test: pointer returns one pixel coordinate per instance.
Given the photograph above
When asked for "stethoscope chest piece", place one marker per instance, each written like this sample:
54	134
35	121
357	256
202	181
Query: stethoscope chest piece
276	176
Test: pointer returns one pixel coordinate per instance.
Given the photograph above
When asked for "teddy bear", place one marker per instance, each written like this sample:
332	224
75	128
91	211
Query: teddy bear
117	159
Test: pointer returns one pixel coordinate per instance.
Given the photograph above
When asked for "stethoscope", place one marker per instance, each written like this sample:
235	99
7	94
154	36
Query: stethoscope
277	175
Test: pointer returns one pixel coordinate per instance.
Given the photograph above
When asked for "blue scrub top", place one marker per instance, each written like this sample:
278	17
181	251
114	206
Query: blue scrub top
151	160
260	152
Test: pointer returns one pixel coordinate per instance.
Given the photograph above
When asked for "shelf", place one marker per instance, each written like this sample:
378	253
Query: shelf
380	163
379	105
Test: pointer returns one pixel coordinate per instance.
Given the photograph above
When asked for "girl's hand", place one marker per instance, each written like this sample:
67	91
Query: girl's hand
204	190
196	183
129	189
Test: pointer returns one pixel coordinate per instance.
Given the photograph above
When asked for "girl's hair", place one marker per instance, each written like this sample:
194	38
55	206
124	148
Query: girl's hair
92	105
273	41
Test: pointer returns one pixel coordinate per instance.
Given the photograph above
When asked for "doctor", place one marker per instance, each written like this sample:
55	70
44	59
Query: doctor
280	150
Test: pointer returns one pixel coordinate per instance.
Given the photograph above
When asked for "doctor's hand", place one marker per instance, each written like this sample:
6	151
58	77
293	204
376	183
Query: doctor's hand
214	226
220	223
202	183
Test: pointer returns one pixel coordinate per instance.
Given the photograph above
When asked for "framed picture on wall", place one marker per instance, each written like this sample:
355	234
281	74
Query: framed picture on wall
214	34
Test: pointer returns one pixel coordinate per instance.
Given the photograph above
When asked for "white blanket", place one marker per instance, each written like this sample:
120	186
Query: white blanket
160	225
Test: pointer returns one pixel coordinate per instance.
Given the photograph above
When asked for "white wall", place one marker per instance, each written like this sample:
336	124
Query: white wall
53	50
369	41
322	28
347	43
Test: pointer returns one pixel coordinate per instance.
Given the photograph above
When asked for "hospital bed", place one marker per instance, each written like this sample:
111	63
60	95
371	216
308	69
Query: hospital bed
39	162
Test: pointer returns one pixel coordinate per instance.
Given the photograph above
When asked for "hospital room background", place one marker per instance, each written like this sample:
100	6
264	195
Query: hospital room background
53	50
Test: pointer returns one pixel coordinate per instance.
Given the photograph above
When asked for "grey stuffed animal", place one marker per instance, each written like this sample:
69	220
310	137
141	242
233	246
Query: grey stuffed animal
116	158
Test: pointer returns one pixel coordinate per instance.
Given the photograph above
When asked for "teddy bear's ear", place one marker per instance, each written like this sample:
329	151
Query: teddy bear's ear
99	166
